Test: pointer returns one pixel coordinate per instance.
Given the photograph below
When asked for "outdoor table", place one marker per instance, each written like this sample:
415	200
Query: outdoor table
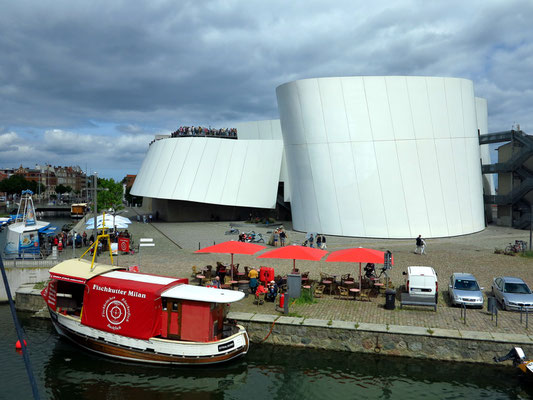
348	282
378	286
355	291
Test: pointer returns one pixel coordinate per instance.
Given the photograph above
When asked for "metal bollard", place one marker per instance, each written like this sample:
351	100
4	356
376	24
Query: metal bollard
527	318
463	313
198	245
496	312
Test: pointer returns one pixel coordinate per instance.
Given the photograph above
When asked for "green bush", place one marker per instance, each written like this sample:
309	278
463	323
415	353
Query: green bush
305	298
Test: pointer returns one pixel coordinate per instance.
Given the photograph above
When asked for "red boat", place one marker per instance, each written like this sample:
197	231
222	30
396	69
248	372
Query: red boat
142	317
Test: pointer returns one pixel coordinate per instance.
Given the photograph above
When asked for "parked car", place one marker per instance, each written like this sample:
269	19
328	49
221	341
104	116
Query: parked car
464	290
422	281
512	293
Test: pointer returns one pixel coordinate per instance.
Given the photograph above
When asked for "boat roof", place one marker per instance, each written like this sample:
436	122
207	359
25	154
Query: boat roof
79	270
20	227
202	293
143	278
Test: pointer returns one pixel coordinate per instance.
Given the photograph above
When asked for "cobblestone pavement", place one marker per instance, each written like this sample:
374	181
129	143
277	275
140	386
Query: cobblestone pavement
175	243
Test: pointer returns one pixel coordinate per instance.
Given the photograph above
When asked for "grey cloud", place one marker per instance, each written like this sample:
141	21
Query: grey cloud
149	67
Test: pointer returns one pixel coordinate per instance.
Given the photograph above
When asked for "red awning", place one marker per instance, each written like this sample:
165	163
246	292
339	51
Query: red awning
126	303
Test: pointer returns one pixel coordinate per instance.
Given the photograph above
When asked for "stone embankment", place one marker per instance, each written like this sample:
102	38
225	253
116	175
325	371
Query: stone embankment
391	340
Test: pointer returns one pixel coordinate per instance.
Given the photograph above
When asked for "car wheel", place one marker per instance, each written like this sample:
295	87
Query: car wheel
503	305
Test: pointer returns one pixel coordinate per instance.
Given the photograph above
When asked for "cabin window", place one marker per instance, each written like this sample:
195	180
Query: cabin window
174	306
164	304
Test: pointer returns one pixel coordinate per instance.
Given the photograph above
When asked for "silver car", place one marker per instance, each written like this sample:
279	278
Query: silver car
512	293
464	289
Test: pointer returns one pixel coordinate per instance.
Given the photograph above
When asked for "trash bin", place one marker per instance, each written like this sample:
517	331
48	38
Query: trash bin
390	299
491	304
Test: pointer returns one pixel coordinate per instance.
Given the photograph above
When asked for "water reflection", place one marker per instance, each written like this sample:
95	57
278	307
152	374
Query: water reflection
267	372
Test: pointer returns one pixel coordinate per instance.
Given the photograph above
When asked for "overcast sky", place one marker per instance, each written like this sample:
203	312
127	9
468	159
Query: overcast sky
90	83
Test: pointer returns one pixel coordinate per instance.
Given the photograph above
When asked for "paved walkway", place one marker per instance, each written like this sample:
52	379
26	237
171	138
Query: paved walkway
175	243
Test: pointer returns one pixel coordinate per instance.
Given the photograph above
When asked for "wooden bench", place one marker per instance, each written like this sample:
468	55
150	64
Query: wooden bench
411	300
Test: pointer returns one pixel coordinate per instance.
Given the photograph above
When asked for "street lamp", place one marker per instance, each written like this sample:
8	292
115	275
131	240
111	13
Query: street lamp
95	201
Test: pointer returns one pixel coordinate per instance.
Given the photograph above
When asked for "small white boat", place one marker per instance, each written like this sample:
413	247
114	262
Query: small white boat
142	317
23	235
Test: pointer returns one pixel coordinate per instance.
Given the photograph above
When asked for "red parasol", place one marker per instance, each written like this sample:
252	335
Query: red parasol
294	253
232	247
360	255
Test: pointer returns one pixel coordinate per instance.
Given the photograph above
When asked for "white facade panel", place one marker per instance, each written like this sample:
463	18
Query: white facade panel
165	163
190	168
378	108
346	187
324	187
302	190
462	178
438	107
223	164
413	188
430	170
469	109
369	186
476	182
333	110
454	104
392	188
312	116
400	108
420	110
290	113
233	178
449	185
168	187
356	109
204	173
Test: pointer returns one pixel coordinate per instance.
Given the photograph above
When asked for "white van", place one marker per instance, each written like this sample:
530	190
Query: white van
422	281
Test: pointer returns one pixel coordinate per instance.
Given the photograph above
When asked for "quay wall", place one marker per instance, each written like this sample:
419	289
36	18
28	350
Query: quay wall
351	337
389	340
20	272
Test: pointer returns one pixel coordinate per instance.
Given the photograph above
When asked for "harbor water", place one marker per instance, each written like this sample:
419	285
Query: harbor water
64	371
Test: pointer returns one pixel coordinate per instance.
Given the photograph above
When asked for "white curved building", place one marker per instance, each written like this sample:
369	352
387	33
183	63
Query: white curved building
384	157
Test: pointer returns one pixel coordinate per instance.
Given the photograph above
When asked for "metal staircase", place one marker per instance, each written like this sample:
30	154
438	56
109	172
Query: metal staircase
522	151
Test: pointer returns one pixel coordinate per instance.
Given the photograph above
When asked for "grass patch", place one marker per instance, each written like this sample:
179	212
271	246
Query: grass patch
430	331
40	285
305	298
295	315
528	254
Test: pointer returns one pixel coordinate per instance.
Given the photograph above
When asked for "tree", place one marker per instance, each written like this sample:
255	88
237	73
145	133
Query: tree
134	200
15	184
111	196
60	189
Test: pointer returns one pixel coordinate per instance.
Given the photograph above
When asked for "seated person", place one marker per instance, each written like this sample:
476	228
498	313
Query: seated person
370	270
260	290
272	292
216	282
253	274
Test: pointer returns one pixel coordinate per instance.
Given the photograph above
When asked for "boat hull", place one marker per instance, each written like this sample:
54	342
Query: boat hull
153	350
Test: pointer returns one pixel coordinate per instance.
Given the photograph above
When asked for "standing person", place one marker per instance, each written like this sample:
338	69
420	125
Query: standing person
282	237
318	241
276	238
324	247
420	245
253	274
311	240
